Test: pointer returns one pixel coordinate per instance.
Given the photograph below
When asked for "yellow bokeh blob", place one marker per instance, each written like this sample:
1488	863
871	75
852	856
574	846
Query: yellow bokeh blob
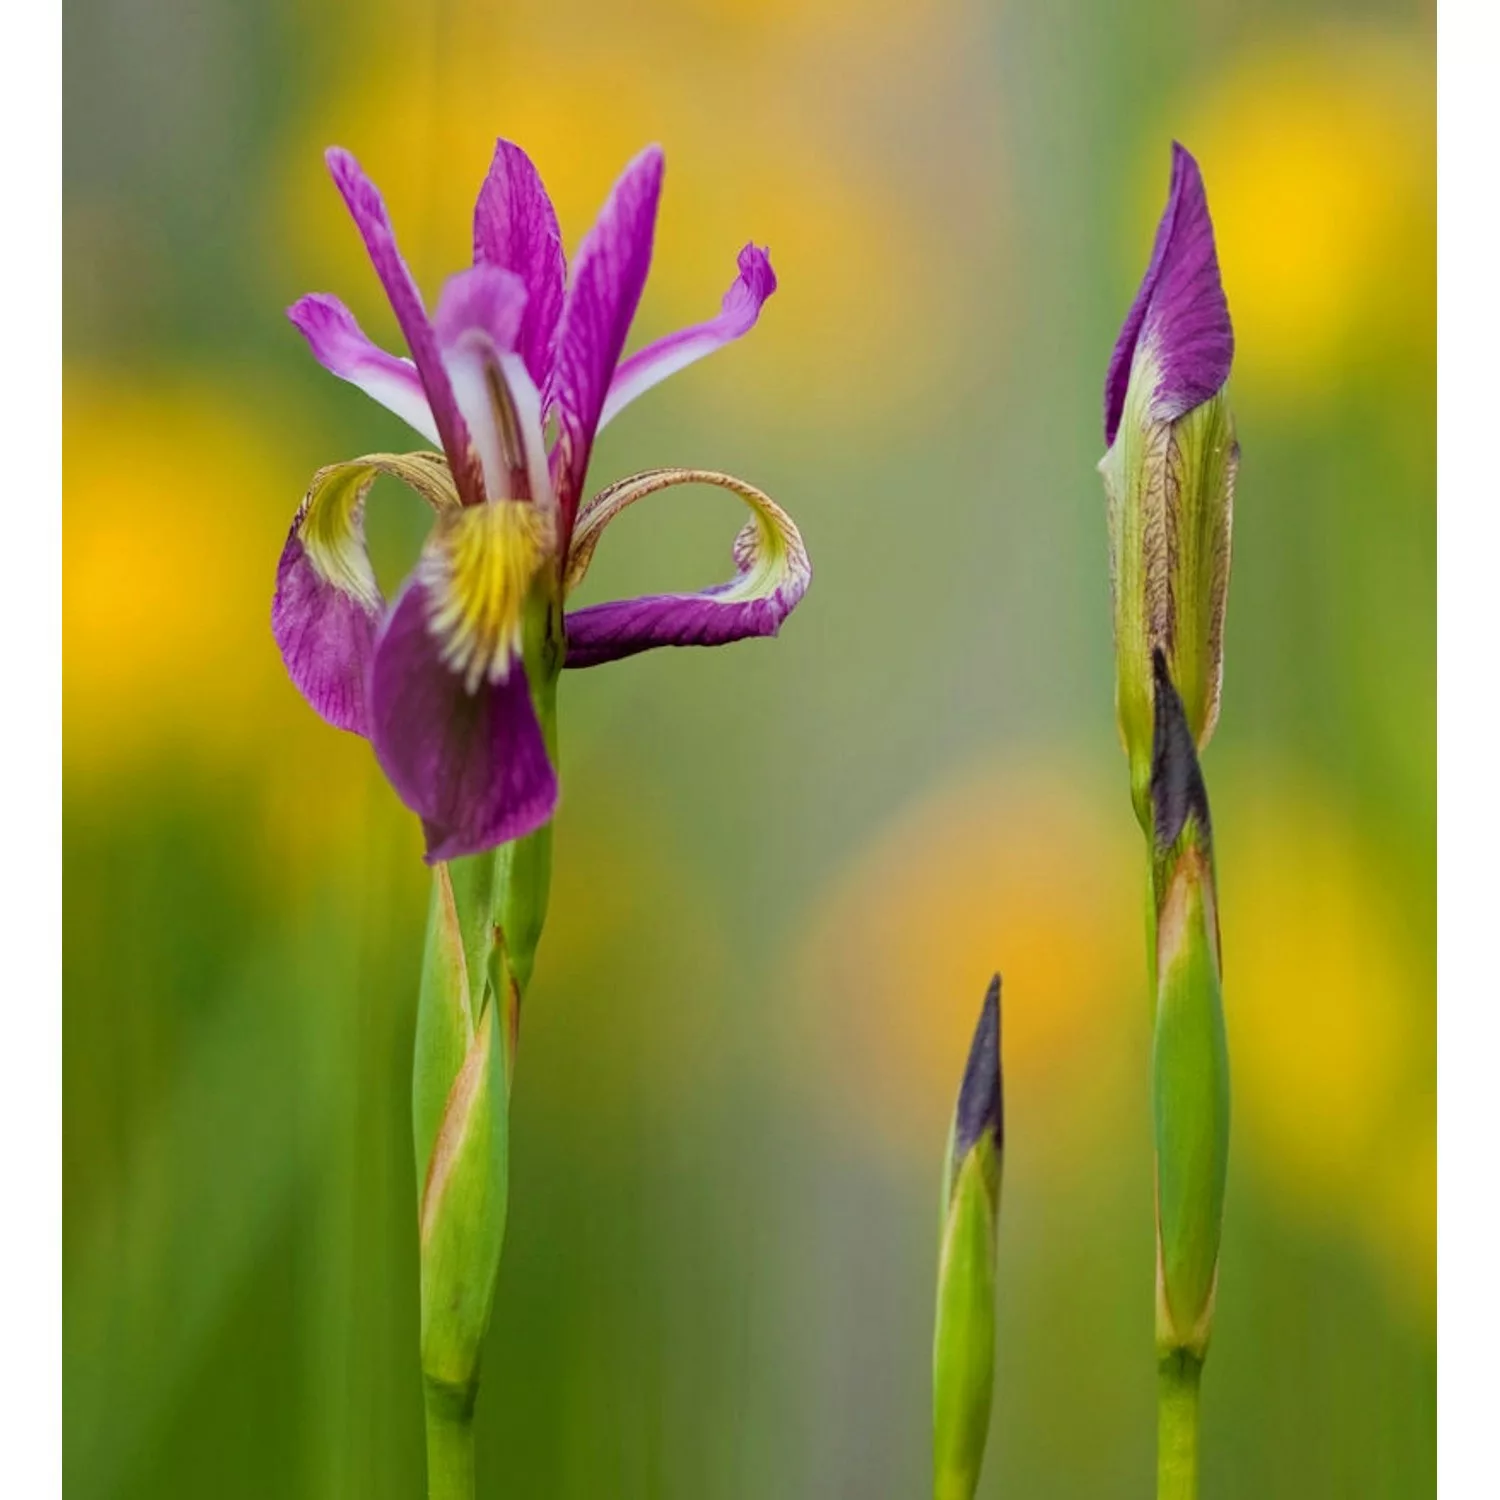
176	503
1024	870
168	564
1320	165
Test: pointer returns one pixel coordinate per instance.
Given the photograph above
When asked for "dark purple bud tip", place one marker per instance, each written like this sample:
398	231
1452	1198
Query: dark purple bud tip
980	1101
1177	790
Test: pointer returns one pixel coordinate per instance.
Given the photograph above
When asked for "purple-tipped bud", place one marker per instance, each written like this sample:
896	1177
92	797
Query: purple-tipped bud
980	1108
1169	475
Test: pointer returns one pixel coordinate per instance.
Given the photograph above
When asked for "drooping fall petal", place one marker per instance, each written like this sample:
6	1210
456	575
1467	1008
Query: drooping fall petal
367	208
608	276
471	764
328	605
772	573
515	228
737	316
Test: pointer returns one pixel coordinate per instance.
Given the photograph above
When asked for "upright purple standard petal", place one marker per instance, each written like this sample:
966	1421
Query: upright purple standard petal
772	573
608	276
341	346
472	766
737	316
515	228
1179	314
368	211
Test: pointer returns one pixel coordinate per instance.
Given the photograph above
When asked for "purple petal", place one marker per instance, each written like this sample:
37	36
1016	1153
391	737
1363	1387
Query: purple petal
1179	314
370	217
515	228
737	315
478	319
328	604
772	573
608	276
341	346
473	766
326	637
606	632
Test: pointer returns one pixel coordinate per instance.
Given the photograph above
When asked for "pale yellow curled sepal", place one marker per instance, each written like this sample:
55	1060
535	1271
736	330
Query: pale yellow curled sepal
330	521
768	551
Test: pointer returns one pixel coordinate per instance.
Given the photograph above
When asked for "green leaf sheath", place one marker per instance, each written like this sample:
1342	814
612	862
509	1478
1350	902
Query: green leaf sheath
1190	1105
963	1348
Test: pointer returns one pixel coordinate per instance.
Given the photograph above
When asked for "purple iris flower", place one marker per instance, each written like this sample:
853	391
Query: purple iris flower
447	680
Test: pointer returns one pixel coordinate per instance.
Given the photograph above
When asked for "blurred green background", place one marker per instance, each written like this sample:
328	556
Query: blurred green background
785	871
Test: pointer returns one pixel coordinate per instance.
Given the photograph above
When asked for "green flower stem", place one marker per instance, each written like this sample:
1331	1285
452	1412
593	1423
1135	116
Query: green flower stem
450	1444
1177	1426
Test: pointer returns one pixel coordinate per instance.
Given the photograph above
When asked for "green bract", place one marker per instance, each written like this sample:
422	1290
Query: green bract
1170	487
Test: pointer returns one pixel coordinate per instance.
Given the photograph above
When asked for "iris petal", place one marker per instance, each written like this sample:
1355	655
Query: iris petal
328	605
341	346
1180	315
472	765
367	208
515	228
608	276
772	573
737	316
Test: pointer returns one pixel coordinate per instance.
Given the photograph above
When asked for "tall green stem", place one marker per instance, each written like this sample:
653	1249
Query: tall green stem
450	1445
1177	1426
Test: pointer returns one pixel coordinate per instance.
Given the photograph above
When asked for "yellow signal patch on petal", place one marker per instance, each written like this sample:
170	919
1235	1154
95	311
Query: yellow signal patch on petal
478	568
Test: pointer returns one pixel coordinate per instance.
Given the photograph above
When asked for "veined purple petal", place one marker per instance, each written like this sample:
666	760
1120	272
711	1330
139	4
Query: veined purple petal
368	211
1179	315
326	636
328	604
772	573
515	228
471	765
341	346
608	276
478	319
737	315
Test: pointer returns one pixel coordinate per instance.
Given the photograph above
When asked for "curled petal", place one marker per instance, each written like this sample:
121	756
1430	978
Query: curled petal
478	320
1180	317
471	764
369	213
341	346
771	575
737	316
515	228
328	605
608	276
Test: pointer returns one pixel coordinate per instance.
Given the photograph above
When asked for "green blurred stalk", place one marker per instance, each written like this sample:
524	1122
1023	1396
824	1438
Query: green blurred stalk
1177	1426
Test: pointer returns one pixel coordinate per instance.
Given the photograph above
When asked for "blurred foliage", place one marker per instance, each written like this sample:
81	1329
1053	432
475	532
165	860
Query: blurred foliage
784	871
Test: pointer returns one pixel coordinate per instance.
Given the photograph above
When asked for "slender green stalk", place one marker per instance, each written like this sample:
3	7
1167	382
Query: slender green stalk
484	924
450	1444
1177	1427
